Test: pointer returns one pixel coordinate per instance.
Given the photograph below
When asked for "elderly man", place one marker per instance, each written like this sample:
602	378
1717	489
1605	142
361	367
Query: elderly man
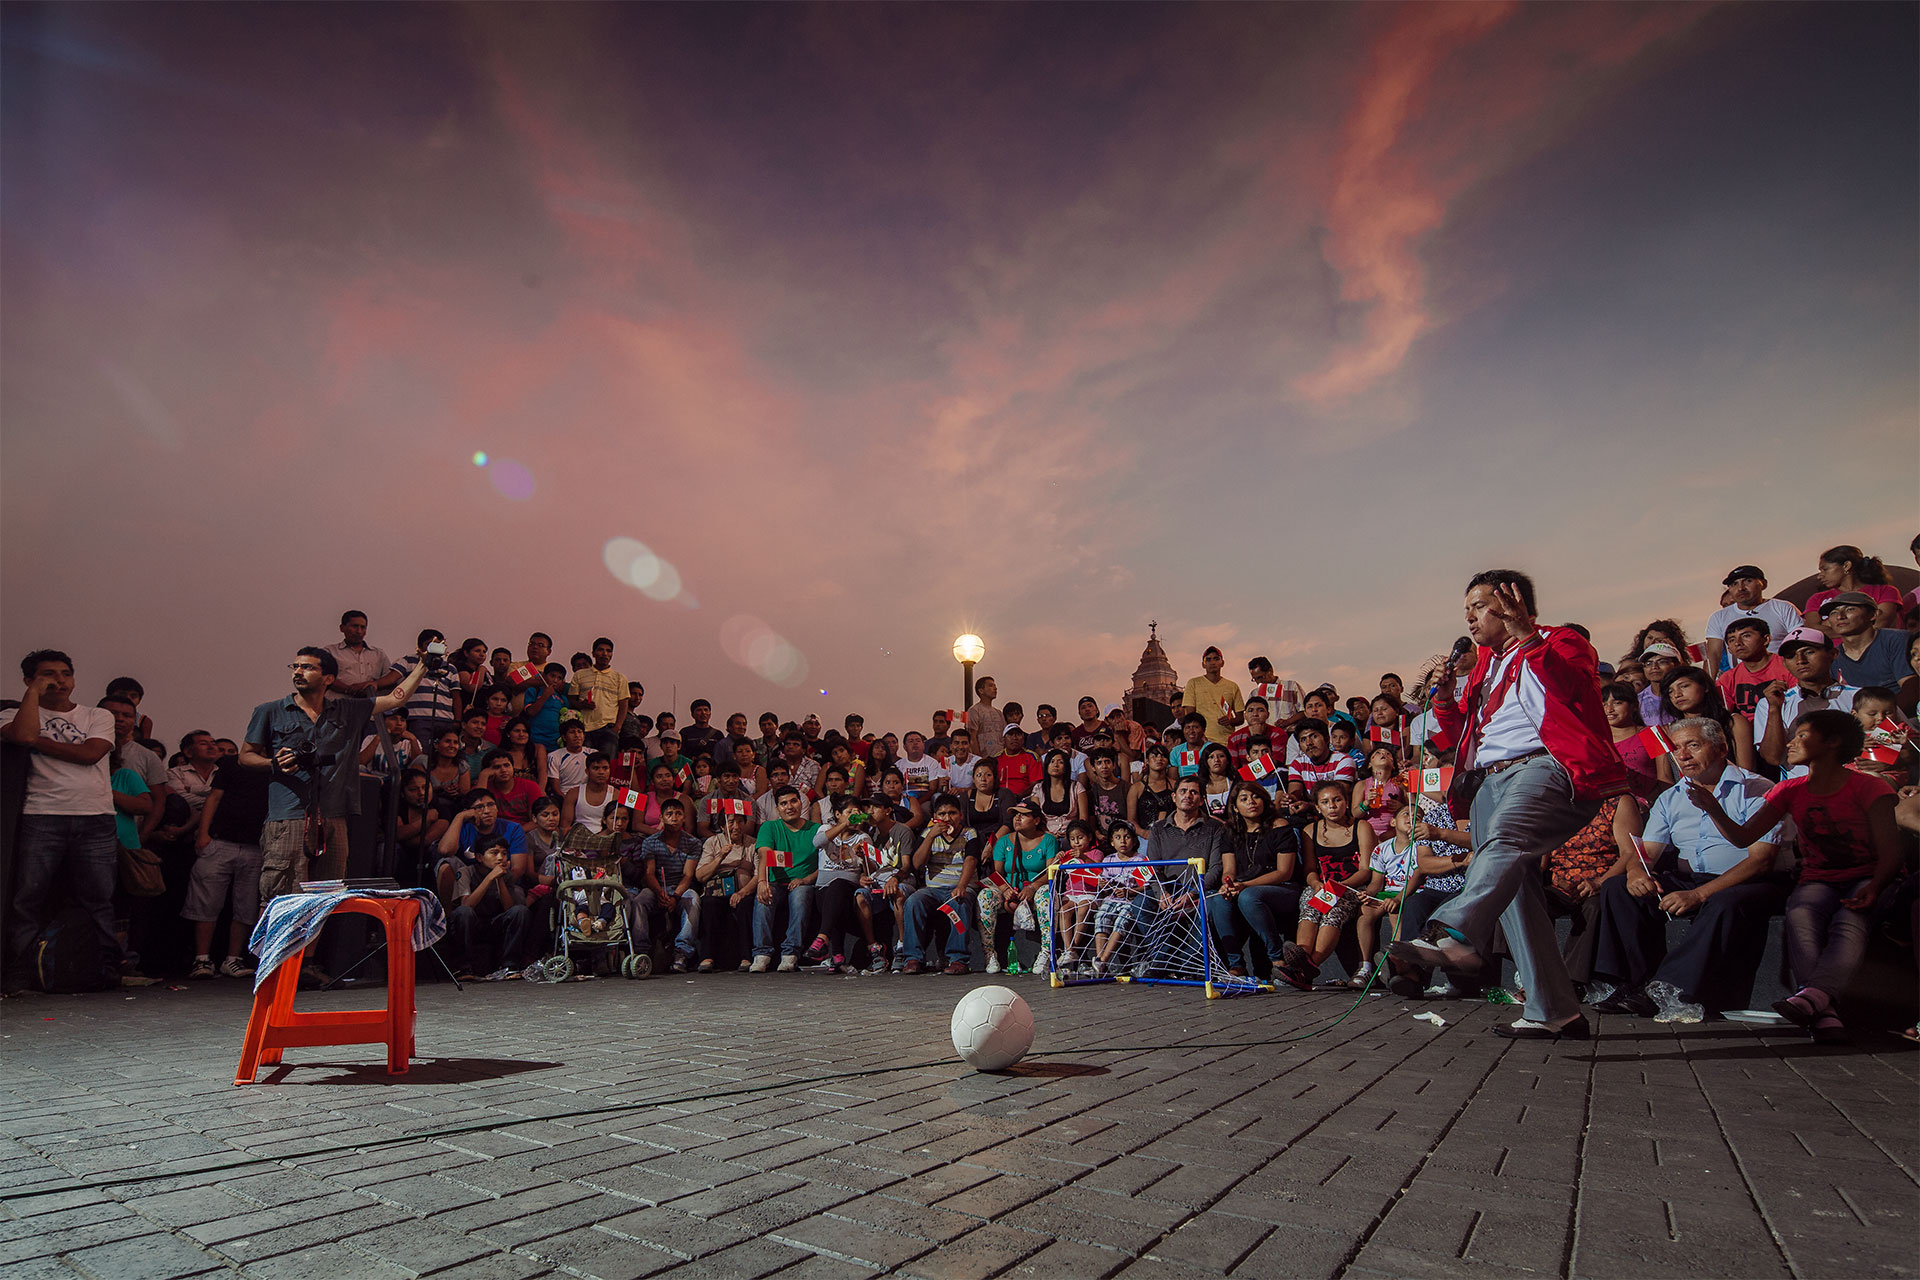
1725	893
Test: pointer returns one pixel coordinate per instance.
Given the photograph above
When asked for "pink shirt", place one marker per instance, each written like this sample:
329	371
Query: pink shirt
1836	843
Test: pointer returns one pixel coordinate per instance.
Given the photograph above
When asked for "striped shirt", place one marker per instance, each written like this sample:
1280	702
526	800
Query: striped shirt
433	697
1337	767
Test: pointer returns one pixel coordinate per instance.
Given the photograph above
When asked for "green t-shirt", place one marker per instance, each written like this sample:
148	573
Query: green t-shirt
1018	865
128	783
781	838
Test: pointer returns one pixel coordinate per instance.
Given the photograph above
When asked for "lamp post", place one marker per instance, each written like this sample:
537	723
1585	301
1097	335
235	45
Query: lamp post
968	649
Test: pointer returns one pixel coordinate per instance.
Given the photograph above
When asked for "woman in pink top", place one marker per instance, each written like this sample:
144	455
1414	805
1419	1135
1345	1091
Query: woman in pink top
1851	569
1849	854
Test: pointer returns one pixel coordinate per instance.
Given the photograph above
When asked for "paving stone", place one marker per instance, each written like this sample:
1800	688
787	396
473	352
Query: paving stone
154	1257
852	1242
671	1231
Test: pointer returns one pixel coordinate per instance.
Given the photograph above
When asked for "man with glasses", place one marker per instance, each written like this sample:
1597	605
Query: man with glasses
311	745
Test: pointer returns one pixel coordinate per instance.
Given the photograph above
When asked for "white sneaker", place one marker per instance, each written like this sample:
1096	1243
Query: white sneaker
789	963
1360	976
1066	958
759	965
235	967
1040	963
993	962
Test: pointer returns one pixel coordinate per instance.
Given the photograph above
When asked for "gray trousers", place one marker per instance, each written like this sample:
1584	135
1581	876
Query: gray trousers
1520	816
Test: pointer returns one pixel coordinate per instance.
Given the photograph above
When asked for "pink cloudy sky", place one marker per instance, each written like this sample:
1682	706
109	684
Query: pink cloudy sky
883	323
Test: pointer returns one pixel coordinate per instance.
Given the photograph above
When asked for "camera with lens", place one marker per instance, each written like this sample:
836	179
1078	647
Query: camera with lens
436	657
307	758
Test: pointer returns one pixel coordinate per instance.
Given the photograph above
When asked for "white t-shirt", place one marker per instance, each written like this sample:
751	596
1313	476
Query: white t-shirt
60	787
1839	698
567	768
1780	617
921	773
960	772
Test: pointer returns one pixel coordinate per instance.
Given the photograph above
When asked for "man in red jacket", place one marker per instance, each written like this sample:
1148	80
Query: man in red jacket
1534	741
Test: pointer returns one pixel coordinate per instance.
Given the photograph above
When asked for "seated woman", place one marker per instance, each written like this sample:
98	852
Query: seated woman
1646	776
1576	870
1339	847
1021	856
729	873
1259	888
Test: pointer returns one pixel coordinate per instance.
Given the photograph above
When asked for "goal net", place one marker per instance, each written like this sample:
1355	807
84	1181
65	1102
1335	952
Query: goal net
1138	921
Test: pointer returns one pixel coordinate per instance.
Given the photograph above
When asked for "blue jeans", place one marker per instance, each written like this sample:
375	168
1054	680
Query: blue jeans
923	908
1262	912
1825	940
798	899
85	847
1519	816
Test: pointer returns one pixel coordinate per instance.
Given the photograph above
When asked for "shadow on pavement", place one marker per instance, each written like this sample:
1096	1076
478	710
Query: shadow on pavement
430	1071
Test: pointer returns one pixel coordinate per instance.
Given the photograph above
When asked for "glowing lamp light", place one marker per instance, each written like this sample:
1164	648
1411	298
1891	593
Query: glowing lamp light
480	458
969	649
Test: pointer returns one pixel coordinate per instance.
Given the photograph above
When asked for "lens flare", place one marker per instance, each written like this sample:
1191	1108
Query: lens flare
480	459
511	479
634	563
754	645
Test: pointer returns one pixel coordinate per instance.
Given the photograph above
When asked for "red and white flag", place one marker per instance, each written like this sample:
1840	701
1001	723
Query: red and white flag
1654	741
720	804
1259	768
1389	734
1640	851
1324	900
1430	782
778	857
994	880
522	674
952	913
632	798
1695	654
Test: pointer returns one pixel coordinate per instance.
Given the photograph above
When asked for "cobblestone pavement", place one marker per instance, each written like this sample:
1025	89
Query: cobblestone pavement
599	1129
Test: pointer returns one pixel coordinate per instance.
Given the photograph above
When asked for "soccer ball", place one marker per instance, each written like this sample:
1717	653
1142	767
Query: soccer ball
992	1028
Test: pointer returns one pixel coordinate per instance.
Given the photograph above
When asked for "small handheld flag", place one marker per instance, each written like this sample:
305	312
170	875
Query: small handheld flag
778	857
1323	900
521	674
1386	734
1654	741
720	804
631	798
1430	782
1185	759
959	921
998	882
1259	768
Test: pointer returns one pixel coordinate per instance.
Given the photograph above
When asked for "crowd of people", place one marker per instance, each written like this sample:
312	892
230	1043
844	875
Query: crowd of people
1764	770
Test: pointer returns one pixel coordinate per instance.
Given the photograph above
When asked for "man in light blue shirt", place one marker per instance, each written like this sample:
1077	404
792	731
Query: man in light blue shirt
1688	871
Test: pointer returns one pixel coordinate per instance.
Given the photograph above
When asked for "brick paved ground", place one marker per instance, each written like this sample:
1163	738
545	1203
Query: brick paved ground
1382	1147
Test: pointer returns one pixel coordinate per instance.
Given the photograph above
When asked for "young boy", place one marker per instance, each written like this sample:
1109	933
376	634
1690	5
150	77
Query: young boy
1755	666
1340	738
1394	872
1849	854
1888	753
1316	763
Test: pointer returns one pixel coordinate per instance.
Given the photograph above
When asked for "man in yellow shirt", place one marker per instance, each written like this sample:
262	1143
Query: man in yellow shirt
1216	699
600	696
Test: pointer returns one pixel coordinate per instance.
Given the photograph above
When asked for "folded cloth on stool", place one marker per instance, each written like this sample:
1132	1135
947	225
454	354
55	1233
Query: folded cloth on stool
292	920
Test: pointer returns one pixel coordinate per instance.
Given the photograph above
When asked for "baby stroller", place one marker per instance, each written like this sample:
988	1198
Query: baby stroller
591	909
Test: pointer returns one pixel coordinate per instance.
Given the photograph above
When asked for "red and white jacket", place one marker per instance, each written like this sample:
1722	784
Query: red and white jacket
1574	729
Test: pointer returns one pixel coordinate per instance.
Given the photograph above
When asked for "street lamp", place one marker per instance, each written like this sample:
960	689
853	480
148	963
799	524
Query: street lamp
968	649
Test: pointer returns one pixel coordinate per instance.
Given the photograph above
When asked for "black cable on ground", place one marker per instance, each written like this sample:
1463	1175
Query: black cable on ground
611	1109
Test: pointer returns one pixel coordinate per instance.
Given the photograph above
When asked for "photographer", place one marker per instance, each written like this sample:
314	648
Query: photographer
312	746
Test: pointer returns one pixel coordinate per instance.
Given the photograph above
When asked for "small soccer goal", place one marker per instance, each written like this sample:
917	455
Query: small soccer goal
1138	921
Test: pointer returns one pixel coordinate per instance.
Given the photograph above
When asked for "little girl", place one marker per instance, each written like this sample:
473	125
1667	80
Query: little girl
497	715
1118	887
1391	867
1082	887
1379	795
1849	852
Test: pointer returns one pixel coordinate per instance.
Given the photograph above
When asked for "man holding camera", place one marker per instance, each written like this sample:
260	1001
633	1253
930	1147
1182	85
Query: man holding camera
312	746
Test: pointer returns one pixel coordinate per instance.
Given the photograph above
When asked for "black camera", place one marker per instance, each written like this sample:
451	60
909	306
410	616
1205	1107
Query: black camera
307	758
435	658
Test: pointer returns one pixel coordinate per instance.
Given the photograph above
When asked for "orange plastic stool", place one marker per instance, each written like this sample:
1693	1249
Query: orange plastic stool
275	1025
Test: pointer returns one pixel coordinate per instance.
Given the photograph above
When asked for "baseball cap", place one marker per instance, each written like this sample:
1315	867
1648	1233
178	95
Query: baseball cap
670	735
1113	708
1744	571
1663	649
1027	807
1800	637
1860	598
1013	728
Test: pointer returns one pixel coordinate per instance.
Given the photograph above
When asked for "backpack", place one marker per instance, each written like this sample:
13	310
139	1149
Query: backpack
66	958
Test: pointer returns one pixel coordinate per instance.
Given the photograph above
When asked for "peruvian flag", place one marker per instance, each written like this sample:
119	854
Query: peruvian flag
1390	734
1696	654
952	913
1282	695
997	882
1430	782
522	674
632	798
1185	758
1259	768
719	805
1654	740
779	857
1324	899
1082	881
1439	739
1881	755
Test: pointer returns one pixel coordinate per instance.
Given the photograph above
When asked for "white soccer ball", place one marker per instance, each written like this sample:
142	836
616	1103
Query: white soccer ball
992	1028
